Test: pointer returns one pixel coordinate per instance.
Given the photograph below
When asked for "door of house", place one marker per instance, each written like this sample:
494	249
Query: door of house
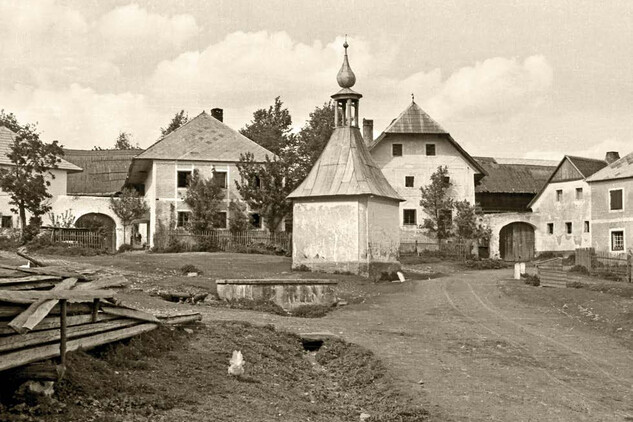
516	242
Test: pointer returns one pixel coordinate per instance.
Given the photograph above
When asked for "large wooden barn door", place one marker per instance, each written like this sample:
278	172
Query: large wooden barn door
516	242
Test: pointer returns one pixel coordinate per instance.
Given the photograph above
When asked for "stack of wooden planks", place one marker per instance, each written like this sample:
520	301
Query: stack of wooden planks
48	311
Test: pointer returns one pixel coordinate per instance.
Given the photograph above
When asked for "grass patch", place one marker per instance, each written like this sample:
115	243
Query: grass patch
189	268
310	311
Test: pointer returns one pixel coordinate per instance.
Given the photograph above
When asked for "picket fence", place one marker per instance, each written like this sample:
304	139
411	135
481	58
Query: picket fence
227	241
603	263
82	237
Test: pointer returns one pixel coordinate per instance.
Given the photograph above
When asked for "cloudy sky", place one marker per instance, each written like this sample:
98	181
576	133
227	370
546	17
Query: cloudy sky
533	79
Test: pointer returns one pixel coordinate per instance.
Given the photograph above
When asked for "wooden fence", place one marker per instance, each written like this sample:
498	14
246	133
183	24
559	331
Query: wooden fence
230	242
84	237
459	249
606	264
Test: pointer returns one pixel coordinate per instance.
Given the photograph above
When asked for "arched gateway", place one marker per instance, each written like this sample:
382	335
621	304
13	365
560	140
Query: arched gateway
97	221
516	242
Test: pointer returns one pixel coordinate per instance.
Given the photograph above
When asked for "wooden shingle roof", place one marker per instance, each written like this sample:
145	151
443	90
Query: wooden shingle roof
620	169
104	171
7	137
345	167
512	178
204	138
587	166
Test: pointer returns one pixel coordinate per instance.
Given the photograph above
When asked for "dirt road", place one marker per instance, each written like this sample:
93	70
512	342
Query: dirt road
473	353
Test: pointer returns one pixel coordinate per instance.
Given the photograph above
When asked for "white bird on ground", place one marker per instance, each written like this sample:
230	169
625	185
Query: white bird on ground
237	363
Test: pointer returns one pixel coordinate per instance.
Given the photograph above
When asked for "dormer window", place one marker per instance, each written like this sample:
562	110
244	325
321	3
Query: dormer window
430	149
396	150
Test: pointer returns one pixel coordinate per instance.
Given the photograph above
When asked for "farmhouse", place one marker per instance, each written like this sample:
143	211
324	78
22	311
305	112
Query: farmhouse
205	143
612	206
409	151
345	215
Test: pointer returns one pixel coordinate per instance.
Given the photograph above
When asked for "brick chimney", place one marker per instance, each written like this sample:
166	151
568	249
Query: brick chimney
611	157
218	113
368	130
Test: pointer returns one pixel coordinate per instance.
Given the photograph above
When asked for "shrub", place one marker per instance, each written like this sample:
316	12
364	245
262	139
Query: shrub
546	255
570	260
485	264
190	268
302	267
531	280
126	247
579	269
574	284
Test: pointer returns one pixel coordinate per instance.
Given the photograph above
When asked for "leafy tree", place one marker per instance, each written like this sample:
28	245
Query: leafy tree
264	187
128	207
178	120
437	204
270	127
124	141
316	133
28	179
204	197
468	224
238	220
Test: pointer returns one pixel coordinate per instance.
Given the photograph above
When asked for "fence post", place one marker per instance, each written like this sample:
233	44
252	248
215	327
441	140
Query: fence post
629	266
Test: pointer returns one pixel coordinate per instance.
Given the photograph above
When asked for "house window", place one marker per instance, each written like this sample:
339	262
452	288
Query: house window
559	195
256	221
615	200
183	178
183	218
447	180
568	227
578	194
550	228
430	149
7	222
617	240
586	227
408	181
219	178
409	217
221	220
396	150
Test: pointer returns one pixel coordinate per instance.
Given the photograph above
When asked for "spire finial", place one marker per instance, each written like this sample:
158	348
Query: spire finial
345	77
412	97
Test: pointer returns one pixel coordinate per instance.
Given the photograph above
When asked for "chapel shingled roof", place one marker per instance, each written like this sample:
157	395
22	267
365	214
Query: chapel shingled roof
345	167
619	169
204	138
7	137
512	178
104	171
587	166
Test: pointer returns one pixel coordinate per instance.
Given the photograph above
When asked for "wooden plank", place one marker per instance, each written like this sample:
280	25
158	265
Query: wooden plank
52	270
22	357
31	286
37	311
129	313
180	319
63	333
103	282
20	341
28	279
33	261
72	295
53	322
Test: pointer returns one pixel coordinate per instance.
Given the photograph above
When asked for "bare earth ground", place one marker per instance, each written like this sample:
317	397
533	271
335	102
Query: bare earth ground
471	346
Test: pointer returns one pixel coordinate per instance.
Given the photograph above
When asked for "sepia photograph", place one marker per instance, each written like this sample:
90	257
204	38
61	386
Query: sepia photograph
316	211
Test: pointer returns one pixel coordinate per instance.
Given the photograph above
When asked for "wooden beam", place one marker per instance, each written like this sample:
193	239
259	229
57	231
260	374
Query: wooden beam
103	283
51	270
30	286
38	310
58	294
180	319
28	279
129	313
53	322
63	333
22	357
33	261
36	338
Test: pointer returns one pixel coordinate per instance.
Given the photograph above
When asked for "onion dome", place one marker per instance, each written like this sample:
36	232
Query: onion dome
345	77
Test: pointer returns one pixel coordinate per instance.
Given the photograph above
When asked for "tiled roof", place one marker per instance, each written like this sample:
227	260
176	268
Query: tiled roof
104	171
587	166
345	167
7	137
204	138
512	178
620	169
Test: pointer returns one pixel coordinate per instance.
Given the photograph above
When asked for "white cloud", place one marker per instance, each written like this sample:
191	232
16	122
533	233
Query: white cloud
492	88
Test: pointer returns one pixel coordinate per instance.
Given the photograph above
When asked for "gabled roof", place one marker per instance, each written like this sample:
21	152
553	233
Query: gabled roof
345	167
7	137
415	121
583	165
512	178
203	138
587	166
104	171
620	169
